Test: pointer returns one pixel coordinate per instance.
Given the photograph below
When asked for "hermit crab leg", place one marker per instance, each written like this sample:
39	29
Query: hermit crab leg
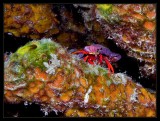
90	62
110	67
85	58
80	51
100	59
91	58
88	59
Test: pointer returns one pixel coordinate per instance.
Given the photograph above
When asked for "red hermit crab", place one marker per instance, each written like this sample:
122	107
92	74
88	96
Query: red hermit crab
97	52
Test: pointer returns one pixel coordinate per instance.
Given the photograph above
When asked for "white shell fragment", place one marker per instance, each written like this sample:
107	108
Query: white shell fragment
53	65
86	97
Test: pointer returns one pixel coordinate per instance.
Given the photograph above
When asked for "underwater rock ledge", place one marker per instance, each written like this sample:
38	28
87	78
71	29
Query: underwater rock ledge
44	72
131	26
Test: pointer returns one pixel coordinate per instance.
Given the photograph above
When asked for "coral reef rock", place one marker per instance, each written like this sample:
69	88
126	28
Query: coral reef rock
31	20
43	72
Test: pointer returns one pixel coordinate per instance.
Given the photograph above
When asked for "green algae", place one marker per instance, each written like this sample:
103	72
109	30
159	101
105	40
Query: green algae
107	12
34	53
105	8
